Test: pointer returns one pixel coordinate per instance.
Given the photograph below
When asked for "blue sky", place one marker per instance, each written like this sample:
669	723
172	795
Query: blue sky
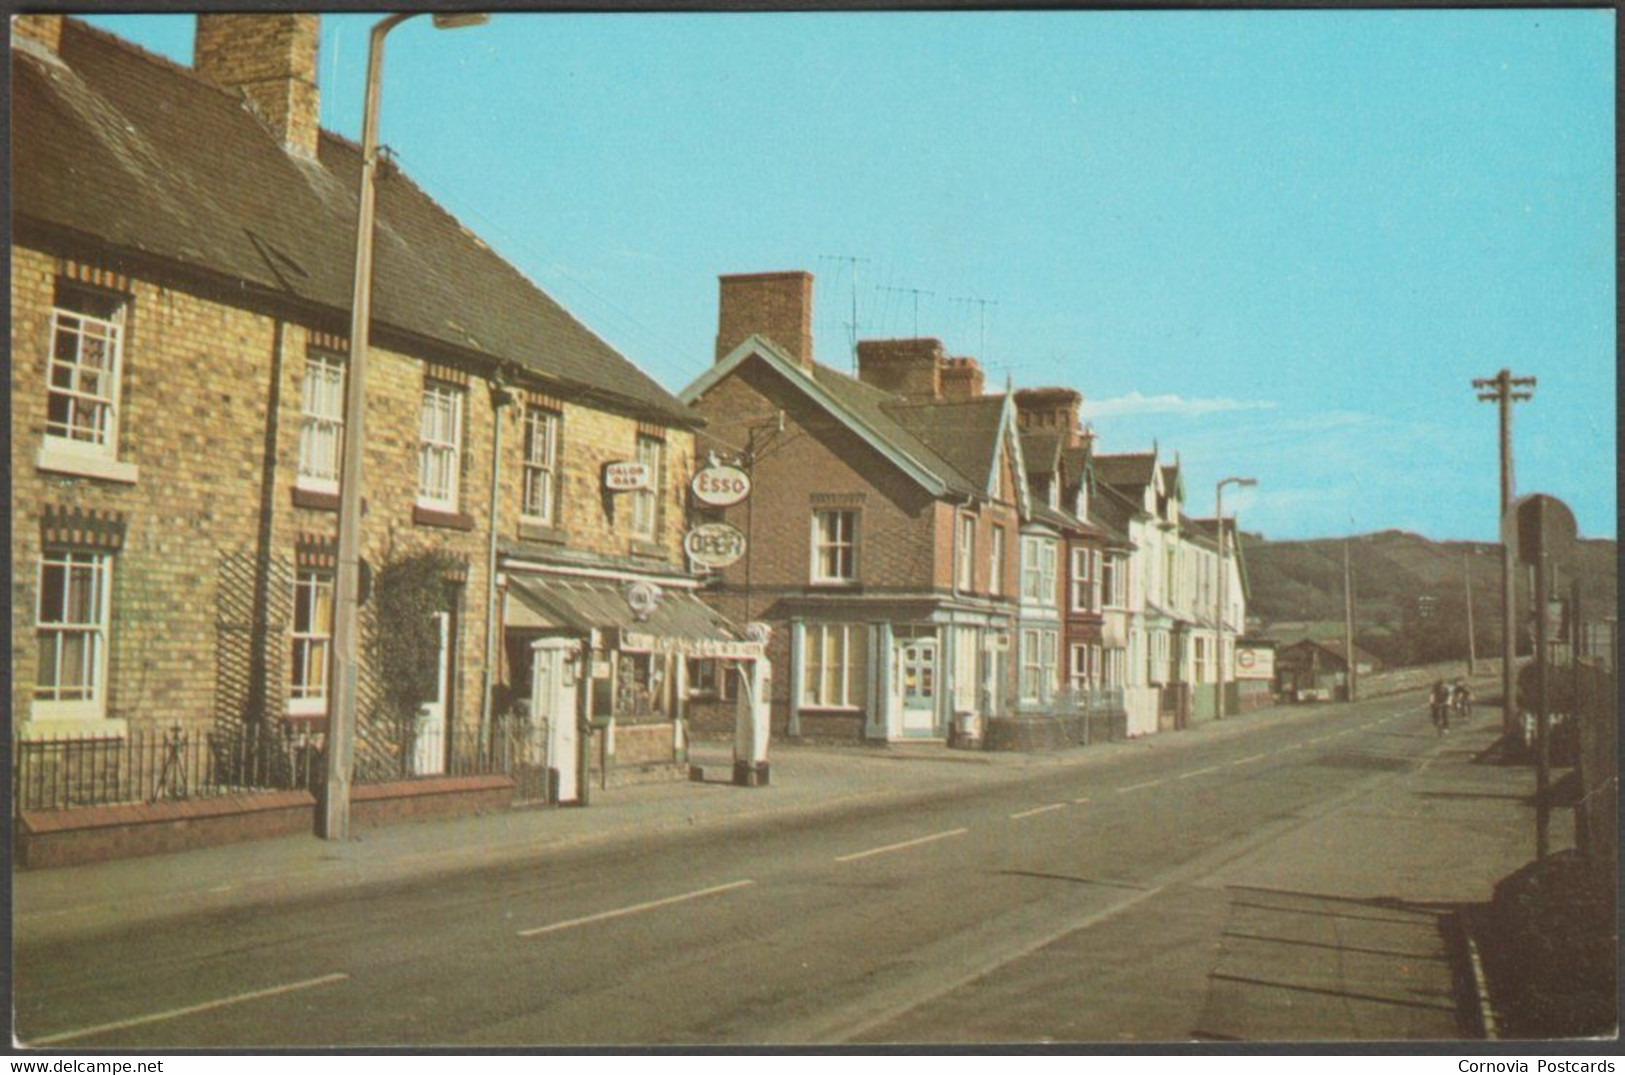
1280	243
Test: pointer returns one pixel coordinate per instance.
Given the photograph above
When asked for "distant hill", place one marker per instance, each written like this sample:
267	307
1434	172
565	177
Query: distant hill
1409	593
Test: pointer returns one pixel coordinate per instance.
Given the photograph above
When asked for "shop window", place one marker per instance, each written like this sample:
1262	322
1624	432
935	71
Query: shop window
832	666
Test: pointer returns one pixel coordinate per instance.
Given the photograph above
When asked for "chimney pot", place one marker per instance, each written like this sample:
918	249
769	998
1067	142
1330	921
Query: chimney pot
1051	408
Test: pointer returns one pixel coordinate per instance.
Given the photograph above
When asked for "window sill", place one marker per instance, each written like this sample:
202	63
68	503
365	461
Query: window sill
318	499
834	584
450	520
647	550
534	530
306	721
48	727
830	708
85	465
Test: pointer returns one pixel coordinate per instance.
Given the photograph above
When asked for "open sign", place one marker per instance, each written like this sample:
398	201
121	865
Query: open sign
721	486
714	545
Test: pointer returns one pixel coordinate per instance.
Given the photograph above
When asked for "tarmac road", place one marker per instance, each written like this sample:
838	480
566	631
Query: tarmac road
1281	879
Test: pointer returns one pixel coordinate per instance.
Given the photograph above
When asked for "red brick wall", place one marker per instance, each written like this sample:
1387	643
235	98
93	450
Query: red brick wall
777	305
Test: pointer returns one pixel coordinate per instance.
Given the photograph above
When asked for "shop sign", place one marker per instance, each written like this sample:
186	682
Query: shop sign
643	597
714	545
726	649
720	485
626	476
1254	662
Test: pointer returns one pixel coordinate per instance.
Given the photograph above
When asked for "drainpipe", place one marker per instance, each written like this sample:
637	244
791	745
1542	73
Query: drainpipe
500	398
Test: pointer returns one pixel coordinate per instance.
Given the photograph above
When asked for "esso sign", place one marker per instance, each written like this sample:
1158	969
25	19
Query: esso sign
721	486
626	476
714	545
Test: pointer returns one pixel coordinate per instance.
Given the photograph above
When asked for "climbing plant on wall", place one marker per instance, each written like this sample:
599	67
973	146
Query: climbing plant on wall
407	592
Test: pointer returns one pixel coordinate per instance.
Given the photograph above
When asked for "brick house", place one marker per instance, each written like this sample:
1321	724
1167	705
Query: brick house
181	274
883	527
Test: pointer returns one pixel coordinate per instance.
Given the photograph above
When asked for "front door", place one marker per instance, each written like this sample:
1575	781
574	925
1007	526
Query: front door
553	697
917	681
429	740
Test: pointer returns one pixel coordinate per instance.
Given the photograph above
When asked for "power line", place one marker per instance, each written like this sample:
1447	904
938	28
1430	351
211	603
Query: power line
983	304
852	326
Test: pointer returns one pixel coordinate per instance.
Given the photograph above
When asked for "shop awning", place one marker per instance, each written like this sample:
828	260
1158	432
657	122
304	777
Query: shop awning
679	622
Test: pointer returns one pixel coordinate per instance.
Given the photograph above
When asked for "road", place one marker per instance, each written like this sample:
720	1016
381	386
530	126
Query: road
1161	897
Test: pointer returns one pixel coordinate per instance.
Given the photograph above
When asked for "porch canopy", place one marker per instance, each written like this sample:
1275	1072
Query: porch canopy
680	623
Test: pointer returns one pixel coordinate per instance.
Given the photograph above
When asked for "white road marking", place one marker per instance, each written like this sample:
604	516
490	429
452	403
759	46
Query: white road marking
1199	772
1037	810
1147	784
1248	758
634	909
176	1013
1080	802
898	847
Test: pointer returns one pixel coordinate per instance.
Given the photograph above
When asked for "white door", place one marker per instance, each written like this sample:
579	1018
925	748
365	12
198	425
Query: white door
553	693
429	743
917	685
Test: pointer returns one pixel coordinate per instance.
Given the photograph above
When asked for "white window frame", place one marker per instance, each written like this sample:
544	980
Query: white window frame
307	691
1115	595
1039	648
834	539
965	567
440	450
1079	673
1037	570
87	326
1085	595
831	666
321	423
966	683
539	490
651	452
995	561
90	698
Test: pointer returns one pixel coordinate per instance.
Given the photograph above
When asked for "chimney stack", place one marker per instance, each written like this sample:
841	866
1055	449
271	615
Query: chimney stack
1051	409
46	29
910	368
777	305
272	60
962	378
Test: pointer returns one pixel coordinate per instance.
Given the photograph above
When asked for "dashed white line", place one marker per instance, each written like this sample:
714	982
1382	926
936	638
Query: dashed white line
1248	758
176	1013
1199	772
1147	784
634	909
1080	802
898	847
1038	810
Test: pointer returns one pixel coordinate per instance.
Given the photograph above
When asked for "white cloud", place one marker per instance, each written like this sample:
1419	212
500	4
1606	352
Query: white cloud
1137	403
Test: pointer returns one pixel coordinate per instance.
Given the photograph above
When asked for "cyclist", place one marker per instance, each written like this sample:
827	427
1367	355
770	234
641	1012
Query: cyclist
1439	699
1461	699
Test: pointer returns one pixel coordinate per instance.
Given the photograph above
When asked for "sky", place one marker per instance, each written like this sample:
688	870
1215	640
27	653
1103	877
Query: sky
1278	244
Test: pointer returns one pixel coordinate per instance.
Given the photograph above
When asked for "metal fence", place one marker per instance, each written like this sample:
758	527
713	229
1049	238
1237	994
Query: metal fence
1596	815
420	751
159	765
1092	714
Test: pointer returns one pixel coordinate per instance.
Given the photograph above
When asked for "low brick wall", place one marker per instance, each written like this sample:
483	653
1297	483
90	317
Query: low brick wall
711	719
644	754
831	728
372	805
97	834
1399	680
1039	731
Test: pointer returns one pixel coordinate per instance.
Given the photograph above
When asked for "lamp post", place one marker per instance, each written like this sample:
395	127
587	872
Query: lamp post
1224	578
341	721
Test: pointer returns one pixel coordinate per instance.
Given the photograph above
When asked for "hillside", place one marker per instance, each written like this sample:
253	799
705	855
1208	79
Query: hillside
1410	601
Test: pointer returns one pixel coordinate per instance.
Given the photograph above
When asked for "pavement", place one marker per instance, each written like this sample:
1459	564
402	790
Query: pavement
1288	874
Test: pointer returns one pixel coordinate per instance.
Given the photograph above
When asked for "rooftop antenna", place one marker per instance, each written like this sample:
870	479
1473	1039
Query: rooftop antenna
852	325
983	304
916	292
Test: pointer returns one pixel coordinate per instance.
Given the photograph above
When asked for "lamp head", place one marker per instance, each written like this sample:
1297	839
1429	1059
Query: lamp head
456	20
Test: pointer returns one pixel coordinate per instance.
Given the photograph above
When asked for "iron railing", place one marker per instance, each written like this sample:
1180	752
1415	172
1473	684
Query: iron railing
159	765
419	752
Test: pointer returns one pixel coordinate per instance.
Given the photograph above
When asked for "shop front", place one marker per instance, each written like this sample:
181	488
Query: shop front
597	670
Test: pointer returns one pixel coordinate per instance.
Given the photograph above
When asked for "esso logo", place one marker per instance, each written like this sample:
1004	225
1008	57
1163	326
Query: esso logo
721	486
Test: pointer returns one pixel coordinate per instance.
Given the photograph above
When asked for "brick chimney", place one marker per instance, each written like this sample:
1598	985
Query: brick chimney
272	60
1051	409
910	368
962	378
777	305
46	29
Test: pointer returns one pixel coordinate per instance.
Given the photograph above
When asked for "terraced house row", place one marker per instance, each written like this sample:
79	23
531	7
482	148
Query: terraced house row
181	283
943	562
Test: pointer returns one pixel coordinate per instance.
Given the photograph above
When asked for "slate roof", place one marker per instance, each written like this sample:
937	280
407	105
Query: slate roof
130	151
1332	646
1127	471
1042	450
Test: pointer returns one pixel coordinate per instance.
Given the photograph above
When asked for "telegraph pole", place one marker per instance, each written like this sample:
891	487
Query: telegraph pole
1467	581
1353	674
1503	390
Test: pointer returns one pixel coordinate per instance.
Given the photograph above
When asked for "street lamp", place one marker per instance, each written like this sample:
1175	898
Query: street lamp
341	719
1224	577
